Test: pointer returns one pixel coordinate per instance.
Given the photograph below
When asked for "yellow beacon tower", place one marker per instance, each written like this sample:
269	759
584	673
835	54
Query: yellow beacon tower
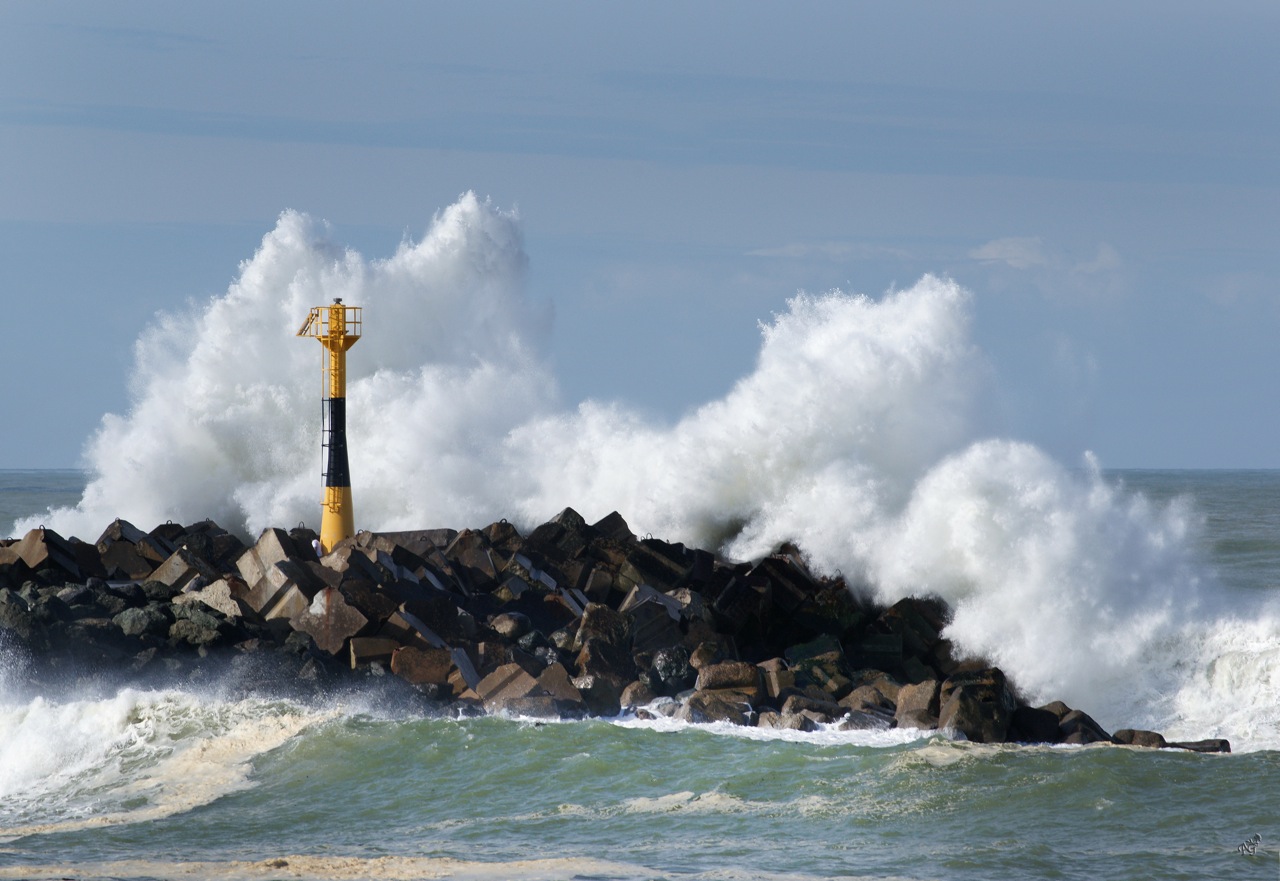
337	327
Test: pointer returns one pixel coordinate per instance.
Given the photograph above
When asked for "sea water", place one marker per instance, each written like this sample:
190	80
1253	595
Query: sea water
192	782
865	433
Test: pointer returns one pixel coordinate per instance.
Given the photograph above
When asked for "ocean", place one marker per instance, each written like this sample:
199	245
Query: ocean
191	782
868	432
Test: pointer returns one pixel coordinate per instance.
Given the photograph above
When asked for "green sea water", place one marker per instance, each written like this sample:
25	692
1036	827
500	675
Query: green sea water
196	781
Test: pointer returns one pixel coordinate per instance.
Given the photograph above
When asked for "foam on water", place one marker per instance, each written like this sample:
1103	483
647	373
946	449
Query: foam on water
328	868
858	434
128	758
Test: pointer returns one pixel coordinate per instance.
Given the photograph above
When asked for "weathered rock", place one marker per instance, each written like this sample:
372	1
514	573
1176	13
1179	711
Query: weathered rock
637	694
827	671
1132	737
978	704
15	614
917	706
823	711
1080	728
670	672
193	633
511	625
422	666
603	659
730	674
776	677
601	695
793	722
868	696
139	621
1032	725
1213	745
857	720
716	706
709	652
604	624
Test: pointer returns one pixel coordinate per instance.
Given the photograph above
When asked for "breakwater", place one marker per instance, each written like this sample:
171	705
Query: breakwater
569	620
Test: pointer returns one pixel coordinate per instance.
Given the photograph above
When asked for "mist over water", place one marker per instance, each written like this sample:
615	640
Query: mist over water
858	435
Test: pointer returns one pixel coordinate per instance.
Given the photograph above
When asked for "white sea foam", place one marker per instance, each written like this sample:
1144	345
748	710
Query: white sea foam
135	756
858	434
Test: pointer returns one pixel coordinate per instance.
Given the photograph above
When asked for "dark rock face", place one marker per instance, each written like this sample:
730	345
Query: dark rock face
978	704
574	618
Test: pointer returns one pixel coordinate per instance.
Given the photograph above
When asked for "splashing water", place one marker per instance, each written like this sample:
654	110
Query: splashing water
856	435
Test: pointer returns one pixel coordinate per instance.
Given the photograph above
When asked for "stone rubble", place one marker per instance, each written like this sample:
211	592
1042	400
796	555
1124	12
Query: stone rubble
571	620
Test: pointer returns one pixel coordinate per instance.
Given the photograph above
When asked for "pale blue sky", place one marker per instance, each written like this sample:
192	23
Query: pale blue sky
1102	176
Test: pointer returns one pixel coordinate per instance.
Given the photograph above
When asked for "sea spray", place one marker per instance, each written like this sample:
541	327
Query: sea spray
131	756
858	435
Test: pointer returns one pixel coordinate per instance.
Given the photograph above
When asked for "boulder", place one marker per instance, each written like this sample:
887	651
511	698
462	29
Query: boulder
1033	725
792	722
670	672
716	706
730	674
422	666
819	710
193	633
1078	727
604	624
978	704
917	706
1213	745
511	625
602	659
1133	737
601	695
138	621
637	694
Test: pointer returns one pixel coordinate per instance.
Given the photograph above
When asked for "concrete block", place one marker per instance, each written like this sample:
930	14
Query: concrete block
43	548
555	681
286	604
506	682
330	620
655	624
367	649
226	595
182	569
466	670
429	666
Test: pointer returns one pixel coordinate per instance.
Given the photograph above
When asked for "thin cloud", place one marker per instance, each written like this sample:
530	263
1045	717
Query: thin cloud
1107	260
829	251
1020	252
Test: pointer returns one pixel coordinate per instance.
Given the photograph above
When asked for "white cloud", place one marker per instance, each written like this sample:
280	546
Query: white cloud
1107	260
1020	252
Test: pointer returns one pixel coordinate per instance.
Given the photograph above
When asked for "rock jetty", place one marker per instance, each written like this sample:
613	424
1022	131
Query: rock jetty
573	619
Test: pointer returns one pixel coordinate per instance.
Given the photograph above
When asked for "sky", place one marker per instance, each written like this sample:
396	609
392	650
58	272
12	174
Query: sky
1102	177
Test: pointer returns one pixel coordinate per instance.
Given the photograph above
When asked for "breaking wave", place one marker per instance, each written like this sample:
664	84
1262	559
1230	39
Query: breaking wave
858	435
